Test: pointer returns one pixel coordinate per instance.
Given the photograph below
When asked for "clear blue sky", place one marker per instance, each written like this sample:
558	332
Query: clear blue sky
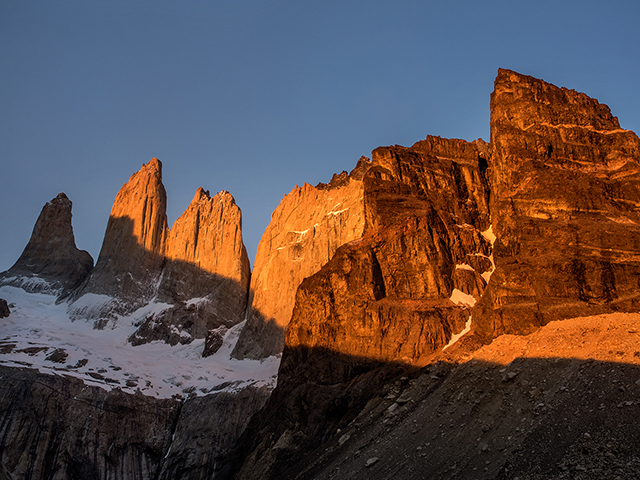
255	97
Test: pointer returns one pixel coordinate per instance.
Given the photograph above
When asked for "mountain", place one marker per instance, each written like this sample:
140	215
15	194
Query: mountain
197	272
546	215
50	262
448	310
305	231
565	192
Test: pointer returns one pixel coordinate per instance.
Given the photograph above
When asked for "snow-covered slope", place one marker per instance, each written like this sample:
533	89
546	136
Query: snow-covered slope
41	335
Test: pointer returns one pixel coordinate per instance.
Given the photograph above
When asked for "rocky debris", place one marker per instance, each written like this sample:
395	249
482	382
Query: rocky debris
58	427
50	263
213	341
305	231
59	355
565	192
4	308
556	420
199	268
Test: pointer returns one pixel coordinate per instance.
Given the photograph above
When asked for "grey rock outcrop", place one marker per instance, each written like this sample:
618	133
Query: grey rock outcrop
56	427
51	262
4	308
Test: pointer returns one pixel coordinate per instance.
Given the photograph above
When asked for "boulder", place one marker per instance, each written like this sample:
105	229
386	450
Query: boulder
4	308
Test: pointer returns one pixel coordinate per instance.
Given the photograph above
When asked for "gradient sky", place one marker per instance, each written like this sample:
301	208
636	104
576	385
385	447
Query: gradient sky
255	97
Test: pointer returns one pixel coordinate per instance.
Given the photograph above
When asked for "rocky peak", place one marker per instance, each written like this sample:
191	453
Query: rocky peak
205	259
51	262
305	231
523	101
142	261
132	254
565	185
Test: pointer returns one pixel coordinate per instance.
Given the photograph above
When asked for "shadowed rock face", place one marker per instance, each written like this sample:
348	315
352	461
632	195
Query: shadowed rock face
4	308
305	231
50	262
58	427
565	193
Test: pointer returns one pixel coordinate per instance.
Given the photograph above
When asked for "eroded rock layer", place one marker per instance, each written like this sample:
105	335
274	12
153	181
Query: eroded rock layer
565	206
305	231
50	262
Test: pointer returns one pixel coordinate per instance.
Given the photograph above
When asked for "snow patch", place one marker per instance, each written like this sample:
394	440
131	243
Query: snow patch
196	301
464	266
459	297
489	235
457	336
337	212
37	327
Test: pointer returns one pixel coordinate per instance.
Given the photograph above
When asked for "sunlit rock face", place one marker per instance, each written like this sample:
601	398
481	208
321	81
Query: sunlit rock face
206	272
50	262
305	231
198	270
387	296
132	254
565	207
384	301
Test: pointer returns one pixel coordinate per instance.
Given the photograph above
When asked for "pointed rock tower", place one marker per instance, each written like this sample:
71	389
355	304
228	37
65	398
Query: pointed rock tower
196	275
127	271
206	272
50	263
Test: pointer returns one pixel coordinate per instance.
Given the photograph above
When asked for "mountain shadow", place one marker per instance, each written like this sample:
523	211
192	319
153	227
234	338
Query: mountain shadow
130	276
462	416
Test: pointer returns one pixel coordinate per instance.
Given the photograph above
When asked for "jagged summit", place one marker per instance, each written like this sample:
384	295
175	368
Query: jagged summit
50	262
199	269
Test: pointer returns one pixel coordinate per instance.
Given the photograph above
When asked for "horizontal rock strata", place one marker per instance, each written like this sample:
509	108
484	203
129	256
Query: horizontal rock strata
565	207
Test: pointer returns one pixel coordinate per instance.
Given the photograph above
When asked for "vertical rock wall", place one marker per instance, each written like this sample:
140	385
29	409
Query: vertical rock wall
565	197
